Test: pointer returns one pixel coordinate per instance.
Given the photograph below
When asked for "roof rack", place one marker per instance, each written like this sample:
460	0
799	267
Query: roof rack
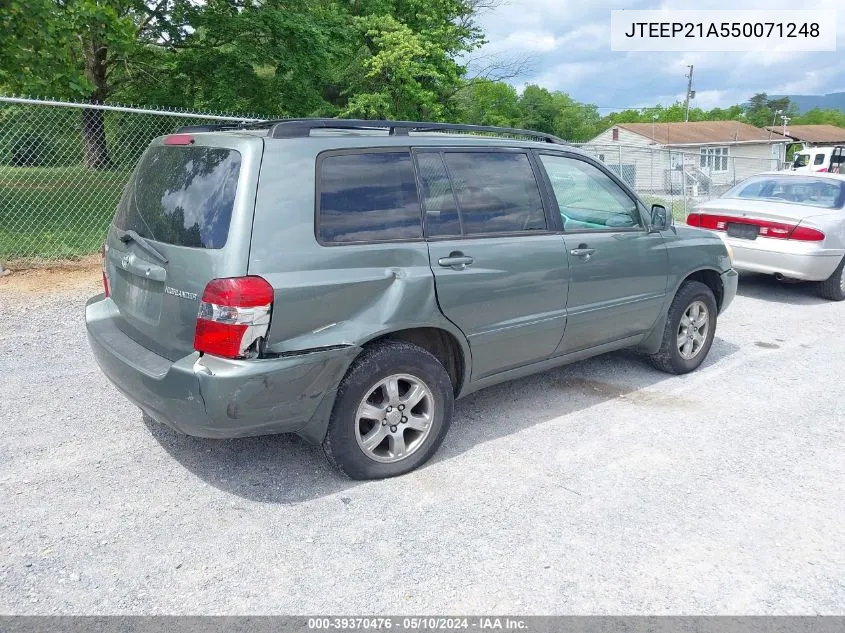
300	128
215	127
297	128
223	127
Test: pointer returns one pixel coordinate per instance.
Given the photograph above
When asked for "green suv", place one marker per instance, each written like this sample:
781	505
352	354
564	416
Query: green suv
348	280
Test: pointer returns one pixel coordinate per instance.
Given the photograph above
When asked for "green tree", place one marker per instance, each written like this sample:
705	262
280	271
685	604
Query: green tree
538	109
274	57
763	111
485	102
84	50
403	58
818	116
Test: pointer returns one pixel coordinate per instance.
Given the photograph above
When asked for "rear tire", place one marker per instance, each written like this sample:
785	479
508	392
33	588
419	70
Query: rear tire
833	287
689	331
392	411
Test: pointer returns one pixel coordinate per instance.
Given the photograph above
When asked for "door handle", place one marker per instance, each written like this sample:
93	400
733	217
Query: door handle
455	261
583	251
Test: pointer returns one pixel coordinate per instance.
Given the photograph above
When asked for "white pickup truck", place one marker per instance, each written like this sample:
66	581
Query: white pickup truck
827	158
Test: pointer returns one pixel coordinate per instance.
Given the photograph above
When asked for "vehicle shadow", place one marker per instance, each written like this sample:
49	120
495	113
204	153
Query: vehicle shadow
285	469
767	288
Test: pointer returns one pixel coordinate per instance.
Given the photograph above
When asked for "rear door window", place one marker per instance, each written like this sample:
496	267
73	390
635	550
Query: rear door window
819	159
367	197
182	196
496	192
441	210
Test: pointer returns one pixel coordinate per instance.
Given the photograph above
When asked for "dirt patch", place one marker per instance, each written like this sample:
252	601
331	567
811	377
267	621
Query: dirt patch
83	274
607	390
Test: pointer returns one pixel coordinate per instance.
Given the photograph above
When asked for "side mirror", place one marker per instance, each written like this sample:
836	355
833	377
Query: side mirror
660	218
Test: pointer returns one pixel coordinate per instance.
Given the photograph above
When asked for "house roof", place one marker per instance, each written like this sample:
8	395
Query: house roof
702	132
814	133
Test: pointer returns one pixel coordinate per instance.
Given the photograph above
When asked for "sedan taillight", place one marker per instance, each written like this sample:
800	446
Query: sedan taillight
767	228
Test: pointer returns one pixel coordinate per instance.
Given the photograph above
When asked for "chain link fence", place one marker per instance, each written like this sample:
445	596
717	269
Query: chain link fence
63	167
680	179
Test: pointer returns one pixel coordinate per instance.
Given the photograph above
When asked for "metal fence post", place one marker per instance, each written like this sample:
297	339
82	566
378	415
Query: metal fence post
620	161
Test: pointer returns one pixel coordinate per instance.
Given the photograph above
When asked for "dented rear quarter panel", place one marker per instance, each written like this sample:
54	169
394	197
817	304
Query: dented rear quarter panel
339	294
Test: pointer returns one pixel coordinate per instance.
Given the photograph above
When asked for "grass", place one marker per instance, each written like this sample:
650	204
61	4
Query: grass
55	212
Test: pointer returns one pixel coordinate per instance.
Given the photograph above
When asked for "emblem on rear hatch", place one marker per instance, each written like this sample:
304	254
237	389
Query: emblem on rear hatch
125	261
184	294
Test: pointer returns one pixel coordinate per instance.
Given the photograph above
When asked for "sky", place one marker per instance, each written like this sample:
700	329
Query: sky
567	45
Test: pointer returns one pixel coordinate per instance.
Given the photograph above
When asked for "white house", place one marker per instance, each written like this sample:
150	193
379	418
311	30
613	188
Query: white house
704	157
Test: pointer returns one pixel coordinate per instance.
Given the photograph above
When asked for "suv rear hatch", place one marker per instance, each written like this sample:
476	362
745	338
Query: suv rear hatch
185	218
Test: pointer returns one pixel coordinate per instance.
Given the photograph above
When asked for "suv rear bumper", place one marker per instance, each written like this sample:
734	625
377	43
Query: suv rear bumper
207	396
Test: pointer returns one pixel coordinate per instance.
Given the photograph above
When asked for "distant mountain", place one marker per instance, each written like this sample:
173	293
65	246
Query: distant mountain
834	100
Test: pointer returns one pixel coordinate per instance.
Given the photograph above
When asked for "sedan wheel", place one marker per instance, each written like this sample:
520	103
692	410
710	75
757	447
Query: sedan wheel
833	287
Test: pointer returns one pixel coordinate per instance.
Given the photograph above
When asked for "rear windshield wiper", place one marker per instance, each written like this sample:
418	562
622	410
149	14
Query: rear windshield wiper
143	244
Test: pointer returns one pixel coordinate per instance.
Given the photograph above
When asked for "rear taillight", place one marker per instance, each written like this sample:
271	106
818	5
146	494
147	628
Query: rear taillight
766	228
806	234
104	254
707	221
233	315
694	219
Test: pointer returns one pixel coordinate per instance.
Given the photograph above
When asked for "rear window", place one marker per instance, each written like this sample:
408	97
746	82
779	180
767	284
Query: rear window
368	197
814	192
182	196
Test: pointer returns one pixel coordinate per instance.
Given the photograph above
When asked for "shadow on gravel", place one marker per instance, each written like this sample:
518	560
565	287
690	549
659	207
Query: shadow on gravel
767	288
504	409
286	469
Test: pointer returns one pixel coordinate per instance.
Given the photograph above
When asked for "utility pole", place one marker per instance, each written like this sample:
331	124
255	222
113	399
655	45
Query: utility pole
690	93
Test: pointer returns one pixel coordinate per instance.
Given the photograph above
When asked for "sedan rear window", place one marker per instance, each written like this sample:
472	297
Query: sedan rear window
182	196
814	192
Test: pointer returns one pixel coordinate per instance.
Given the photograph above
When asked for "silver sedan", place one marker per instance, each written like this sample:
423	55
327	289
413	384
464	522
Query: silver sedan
786	224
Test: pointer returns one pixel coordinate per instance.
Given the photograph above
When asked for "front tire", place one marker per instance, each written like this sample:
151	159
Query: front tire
833	287
689	331
392	411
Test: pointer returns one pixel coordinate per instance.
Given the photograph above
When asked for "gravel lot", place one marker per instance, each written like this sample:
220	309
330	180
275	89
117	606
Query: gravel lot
602	488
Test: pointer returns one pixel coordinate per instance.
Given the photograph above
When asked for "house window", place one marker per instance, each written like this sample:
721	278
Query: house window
714	158
615	134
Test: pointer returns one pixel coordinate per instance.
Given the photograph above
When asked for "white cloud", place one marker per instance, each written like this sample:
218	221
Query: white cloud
528	41
568	43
